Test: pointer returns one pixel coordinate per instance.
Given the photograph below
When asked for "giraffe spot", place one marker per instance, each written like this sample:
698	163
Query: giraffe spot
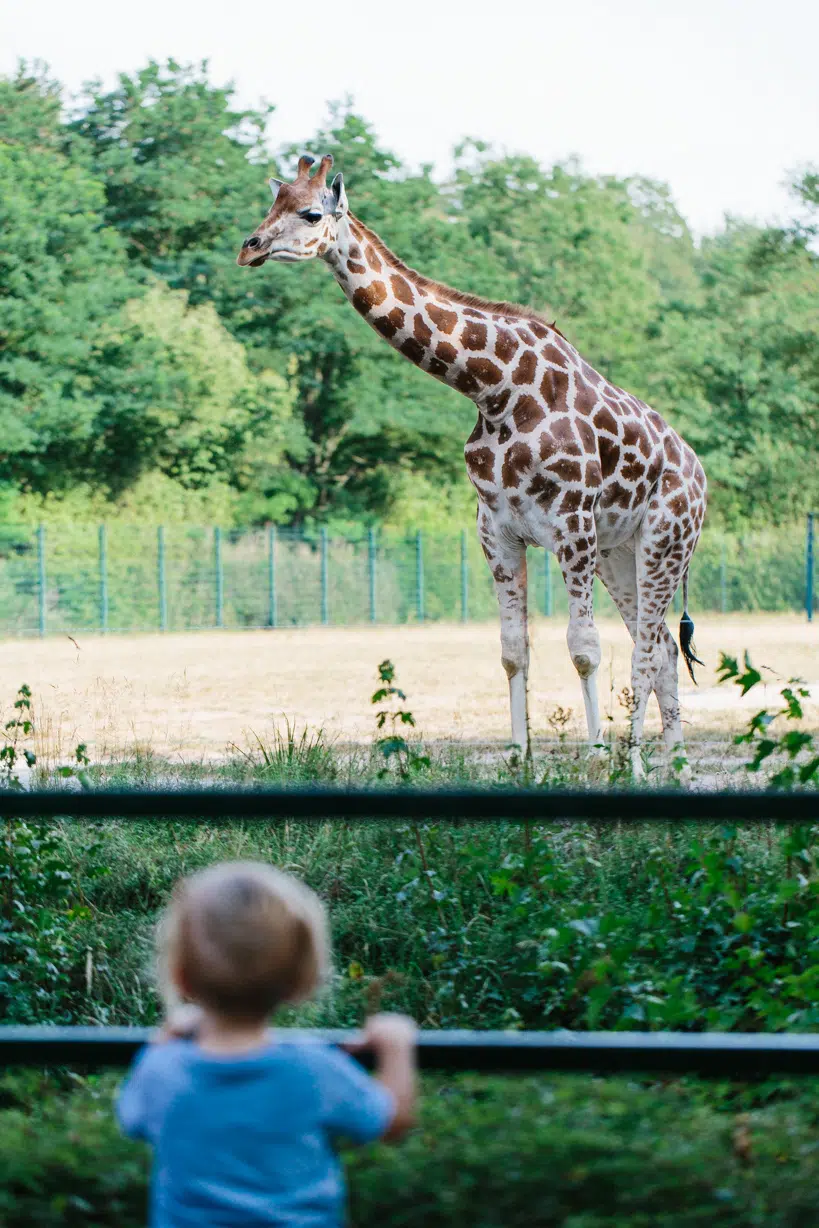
500	575
672	449
311	243
540	330
356	268
389	325
604	420
497	402
355	251
517	460
466	383
413	349
490	427
543	490
571	501
443	320
561	430
481	464
585	397
615	495
552	354
401	288
678	504
526	337
573	523
515	502
586	434
421	329
594	475
504	434
527	414
671	482
372	258
632	470
446	351
485	369
489	498
506	344
554	388
566	469
589	373
654	420
474	336
437	368
634	435
581	564
654	470
524	372
688	462
477	431
367	297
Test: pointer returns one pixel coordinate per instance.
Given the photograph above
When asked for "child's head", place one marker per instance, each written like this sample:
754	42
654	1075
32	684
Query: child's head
241	939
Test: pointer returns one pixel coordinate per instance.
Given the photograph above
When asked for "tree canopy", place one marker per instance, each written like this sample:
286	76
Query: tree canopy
131	344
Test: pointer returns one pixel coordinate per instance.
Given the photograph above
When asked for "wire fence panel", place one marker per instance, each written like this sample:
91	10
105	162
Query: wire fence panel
132	577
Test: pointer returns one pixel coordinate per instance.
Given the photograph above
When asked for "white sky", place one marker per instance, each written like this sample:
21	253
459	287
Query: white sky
719	98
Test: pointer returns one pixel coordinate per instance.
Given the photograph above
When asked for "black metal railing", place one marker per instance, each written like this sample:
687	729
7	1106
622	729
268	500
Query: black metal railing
723	1055
438	805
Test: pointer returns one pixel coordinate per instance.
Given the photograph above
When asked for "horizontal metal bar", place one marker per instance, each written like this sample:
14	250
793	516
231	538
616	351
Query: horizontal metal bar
748	1056
447	805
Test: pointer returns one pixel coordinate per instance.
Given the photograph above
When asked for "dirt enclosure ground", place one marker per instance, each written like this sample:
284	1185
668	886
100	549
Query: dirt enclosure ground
188	696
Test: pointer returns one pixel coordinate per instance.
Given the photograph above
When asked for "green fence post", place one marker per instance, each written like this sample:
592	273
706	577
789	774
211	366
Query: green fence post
41	578
103	552
371	558
220	579
419	576
809	568
547	584
160	578
272	612
464	579
325	613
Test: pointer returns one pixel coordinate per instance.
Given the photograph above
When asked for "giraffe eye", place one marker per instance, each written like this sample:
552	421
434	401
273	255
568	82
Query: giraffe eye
311	215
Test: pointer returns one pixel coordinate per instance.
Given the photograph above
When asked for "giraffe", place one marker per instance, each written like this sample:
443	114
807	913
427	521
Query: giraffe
559	457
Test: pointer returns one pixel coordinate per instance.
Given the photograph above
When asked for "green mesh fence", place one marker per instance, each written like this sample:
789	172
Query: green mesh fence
147	578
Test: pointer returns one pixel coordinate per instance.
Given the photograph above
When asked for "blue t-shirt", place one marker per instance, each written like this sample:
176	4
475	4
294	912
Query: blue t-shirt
248	1140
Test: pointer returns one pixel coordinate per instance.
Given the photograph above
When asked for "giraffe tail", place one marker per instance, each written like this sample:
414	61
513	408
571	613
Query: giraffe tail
689	652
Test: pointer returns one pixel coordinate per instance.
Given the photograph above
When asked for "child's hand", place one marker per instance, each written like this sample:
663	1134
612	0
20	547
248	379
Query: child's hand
183	1021
385	1033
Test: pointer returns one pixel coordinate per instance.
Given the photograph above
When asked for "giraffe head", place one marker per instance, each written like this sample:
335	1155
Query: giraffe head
303	219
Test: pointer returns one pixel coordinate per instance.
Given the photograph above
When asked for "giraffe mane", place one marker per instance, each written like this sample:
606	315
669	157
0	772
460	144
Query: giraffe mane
518	310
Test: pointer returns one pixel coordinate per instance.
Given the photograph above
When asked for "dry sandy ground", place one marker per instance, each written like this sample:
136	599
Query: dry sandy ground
191	695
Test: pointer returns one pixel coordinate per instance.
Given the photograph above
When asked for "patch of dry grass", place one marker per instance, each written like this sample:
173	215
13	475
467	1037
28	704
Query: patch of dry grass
187	696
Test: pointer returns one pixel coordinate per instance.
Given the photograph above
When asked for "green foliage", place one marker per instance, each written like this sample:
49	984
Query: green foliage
487	1152
795	746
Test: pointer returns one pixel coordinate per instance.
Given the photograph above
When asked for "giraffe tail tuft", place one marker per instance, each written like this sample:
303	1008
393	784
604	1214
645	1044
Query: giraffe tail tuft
689	652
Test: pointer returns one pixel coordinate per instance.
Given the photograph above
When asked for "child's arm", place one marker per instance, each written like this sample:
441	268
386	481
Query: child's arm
392	1040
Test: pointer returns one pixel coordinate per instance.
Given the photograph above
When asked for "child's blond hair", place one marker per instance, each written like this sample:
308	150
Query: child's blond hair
242	938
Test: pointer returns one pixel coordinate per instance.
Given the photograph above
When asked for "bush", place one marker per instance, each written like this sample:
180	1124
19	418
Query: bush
522	1153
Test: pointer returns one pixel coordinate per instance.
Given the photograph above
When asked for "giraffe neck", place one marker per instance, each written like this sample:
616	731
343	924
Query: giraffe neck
474	347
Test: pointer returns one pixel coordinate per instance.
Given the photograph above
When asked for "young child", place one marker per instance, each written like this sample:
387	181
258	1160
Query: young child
242	1120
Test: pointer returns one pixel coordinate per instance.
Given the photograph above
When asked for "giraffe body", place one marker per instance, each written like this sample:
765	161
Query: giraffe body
560	458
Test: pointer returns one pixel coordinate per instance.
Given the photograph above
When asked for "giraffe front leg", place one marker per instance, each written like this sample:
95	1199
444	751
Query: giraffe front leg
507	562
577	563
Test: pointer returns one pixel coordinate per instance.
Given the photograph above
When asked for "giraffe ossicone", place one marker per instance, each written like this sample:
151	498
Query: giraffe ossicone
559	457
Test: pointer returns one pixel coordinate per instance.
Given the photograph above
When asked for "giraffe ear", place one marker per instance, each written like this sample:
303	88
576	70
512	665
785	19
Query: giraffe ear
275	184
339	203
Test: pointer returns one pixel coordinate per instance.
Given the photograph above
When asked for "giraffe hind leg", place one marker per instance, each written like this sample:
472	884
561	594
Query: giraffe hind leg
618	572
